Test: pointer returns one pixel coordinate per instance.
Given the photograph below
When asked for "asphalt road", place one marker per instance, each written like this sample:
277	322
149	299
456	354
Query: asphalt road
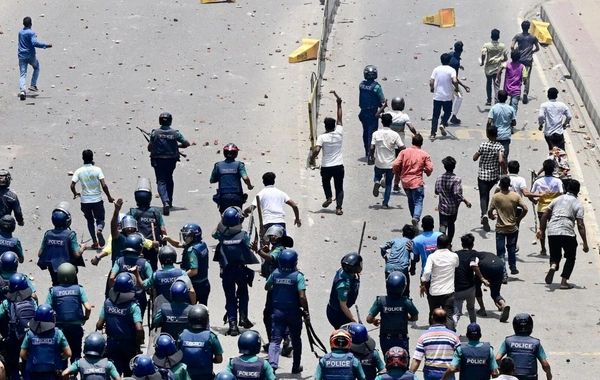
222	71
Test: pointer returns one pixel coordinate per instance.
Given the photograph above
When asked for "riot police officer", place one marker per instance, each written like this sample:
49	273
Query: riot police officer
524	350
396	364
164	145
200	346
248	366
9	201
339	364
93	365
44	346
224	375
123	320
344	290
168	357
143	368
172	317
60	244
363	348
162	279
475	359
396	310
9	265
149	220
229	175
288	289
370	99
67	299
234	254
7	241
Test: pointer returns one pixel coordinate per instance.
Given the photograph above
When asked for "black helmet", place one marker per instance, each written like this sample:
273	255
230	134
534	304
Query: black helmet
395	284
5	178
249	343
352	263
167	255
143	192
370	72
523	324
8	224
230	150
198	317
397	103
165	118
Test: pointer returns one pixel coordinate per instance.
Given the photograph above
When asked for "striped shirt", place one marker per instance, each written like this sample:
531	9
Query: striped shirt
436	346
91	188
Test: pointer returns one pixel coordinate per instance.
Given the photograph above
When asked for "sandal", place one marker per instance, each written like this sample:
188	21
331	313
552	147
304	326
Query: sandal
338	211
326	203
567	287
550	275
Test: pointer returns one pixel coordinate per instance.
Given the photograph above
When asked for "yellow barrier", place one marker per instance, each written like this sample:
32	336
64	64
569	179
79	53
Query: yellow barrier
216	1
444	18
308	50
540	30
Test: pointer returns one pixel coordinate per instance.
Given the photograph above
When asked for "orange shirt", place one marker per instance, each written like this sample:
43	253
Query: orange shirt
410	165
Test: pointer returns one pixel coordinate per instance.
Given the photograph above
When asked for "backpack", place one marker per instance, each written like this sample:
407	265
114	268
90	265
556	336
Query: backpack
166	374
20	314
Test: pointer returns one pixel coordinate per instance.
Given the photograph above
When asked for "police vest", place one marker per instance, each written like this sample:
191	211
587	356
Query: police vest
248	371
164	279
66	301
368	98
406	376
4	283
117	246
333	368
233	248
197	353
475	362
201	251
7	243
119	320
367	361
393	316
174	317
267	267
334	302
44	351
229	177
128	262
523	350
285	290
164	144
145	219
94	371
56	250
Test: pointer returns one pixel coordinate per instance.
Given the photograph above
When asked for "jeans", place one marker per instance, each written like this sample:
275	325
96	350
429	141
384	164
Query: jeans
370	123
415	201
557	244
527	78
389	179
285	320
94	214
163	169
494	274
23	63
504	243
459	298
506	145
561	144
514	103
437	110
235	286
448	224
337	173
446	302
484	194
491	80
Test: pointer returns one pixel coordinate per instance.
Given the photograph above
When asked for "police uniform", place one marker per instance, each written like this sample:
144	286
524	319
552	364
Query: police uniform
394	311
199	347
44	353
146	217
172	317
162	280
9	204
59	246
163	158
196	257
525	351
475	360
250	367
11	243
369	358
344	288
94	368
127	262
266	270
67	301
4	323
369	100
339	365
228	173
16	331
397	374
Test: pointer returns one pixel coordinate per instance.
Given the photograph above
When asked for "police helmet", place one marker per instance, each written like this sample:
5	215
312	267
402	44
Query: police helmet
288	260
249	343
165	346
129	221
8	224
165	118
17	283
66	274
358	332
340	339
230	150
5	178
370	72
224	375
143	192
352	263
523	324
61	219
192	229
397	103
198	317
396	357
124	283
9	262
133	243
143	366
44	313
395	284
167	255
232	217
94	344
179	292
275	230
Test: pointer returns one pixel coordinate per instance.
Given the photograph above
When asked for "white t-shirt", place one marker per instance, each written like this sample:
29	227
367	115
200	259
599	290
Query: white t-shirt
443	89
272	202
386	141
91	187
331	144
517	184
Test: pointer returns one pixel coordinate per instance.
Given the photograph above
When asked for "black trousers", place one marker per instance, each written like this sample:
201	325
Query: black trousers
558	244
337	173
446	302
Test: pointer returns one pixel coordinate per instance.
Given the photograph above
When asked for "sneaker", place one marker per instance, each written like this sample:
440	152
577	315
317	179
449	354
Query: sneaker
33	88
485	223
525	99
95	246
166	209
455	120
100	237
385	206
514	271
376	187
505	313
432	138
443	130
550	275
22	95
397	188
488	103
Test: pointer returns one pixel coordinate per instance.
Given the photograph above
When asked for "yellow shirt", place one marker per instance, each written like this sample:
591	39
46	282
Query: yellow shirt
108	247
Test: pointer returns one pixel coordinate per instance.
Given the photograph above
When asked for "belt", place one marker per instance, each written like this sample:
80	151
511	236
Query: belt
389	336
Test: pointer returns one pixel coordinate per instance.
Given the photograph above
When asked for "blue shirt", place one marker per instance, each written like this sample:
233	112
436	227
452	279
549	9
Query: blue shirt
399	257
28	42
454	61
502	116
424	245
